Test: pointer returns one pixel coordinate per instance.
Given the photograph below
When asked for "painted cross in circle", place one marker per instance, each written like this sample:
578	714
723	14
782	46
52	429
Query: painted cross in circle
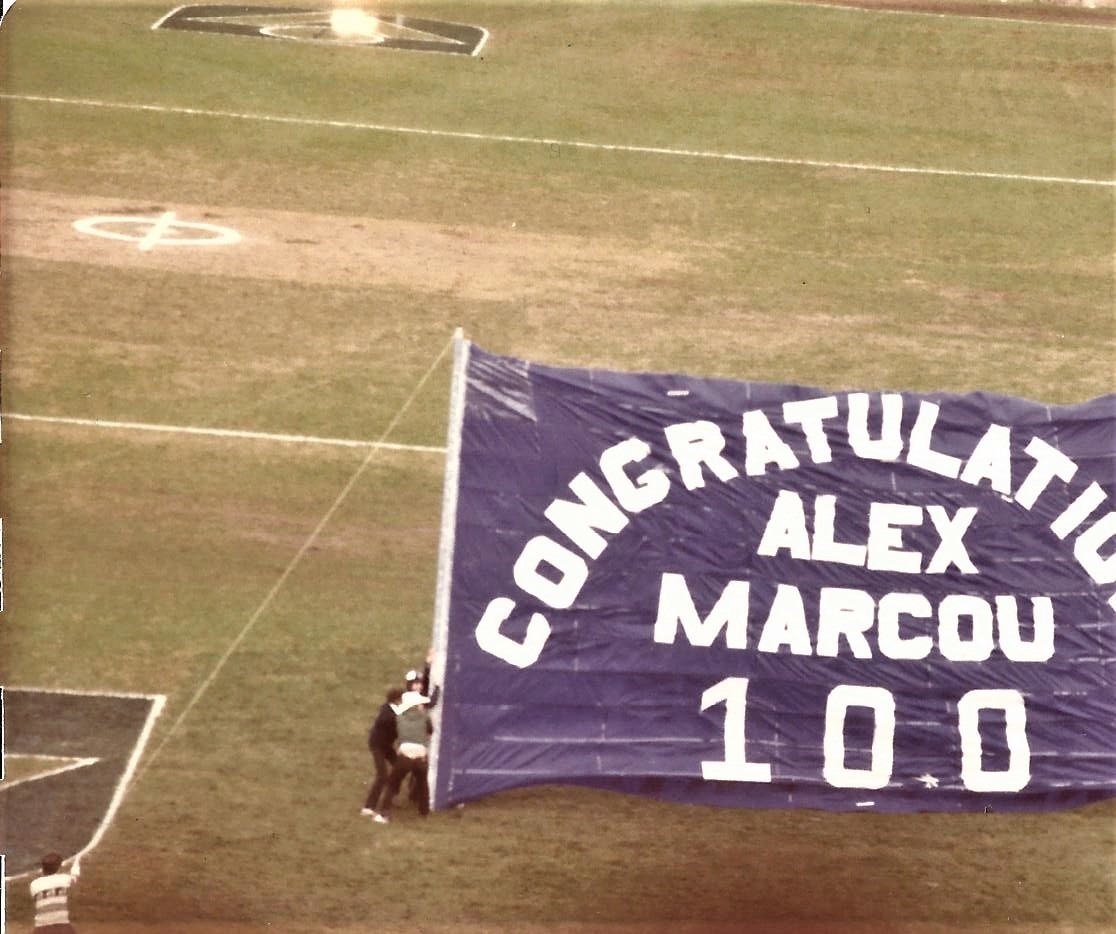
159	231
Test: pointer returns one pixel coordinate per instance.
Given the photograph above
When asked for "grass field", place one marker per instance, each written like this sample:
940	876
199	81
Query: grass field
759	219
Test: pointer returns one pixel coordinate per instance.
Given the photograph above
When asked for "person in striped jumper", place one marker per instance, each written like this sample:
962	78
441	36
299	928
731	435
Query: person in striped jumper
51	896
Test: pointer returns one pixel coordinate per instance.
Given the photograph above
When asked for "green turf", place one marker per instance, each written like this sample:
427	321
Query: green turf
749	77
134	561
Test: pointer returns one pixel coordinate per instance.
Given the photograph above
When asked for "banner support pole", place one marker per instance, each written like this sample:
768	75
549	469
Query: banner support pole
443	583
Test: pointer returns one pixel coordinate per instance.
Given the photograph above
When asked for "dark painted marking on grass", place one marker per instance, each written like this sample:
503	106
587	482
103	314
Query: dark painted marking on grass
65	810
302	24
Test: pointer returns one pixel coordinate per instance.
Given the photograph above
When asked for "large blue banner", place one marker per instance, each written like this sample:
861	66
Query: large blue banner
760	595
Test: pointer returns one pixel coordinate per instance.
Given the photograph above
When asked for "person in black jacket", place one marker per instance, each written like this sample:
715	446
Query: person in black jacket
414	729
381	743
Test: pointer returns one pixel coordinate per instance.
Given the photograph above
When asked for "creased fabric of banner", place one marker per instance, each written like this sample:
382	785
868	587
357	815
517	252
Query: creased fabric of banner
757	595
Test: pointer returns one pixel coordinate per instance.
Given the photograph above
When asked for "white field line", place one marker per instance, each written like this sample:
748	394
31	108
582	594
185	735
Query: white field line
77	692
991	18
559	143
158	229
157	703
224	433
289	569
68	764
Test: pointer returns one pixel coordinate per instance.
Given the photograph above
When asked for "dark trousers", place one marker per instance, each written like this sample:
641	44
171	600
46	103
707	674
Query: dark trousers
404	766
383	763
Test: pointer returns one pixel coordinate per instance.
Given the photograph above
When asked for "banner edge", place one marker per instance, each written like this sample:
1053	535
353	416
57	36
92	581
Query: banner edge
443	580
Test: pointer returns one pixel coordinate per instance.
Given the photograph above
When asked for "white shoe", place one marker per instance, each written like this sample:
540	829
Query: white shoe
366	812
380	819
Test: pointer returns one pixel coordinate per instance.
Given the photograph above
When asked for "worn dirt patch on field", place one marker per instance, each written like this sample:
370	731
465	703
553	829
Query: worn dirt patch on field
472	261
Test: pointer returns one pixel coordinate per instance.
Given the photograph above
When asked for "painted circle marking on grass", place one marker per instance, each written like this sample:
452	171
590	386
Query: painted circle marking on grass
162	230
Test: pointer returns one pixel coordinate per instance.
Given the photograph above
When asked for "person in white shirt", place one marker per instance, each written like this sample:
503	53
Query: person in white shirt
51	896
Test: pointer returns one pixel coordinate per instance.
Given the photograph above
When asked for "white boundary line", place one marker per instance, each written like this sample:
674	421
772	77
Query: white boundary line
991	17
129	695
291	565
567	143
223	433
157	703
72	763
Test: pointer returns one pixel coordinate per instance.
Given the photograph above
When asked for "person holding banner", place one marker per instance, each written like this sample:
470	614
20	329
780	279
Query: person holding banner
381	743
419	679
414	730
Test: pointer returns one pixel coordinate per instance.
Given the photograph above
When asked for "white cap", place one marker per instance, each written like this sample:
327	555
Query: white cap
411	699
